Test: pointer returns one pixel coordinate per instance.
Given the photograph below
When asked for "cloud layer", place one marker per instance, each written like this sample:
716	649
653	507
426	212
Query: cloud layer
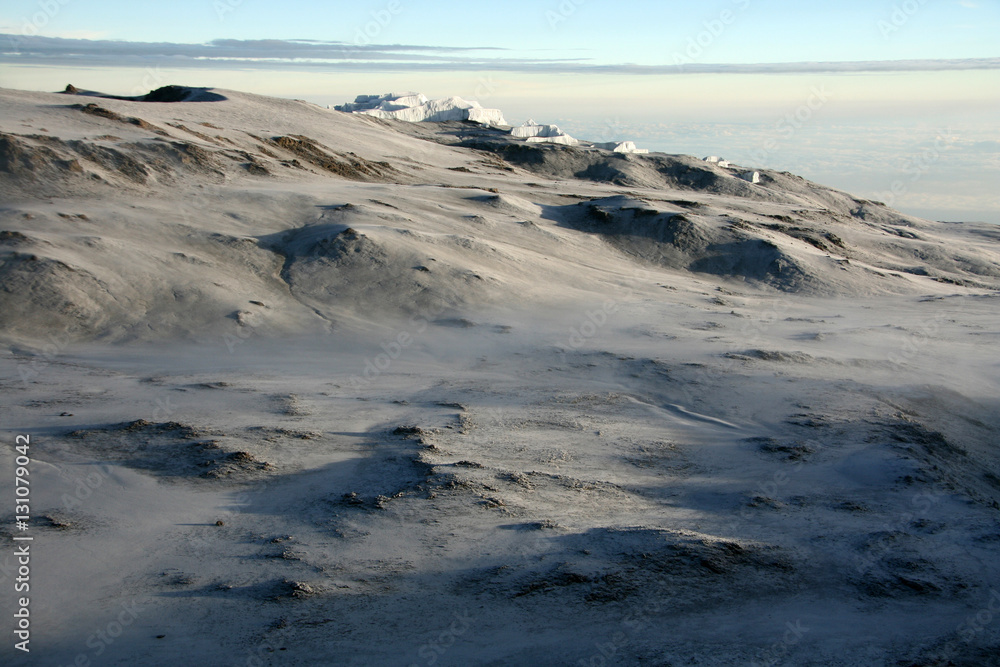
360	56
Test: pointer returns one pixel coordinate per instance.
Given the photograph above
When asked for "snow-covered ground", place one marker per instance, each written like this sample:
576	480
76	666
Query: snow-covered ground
307	388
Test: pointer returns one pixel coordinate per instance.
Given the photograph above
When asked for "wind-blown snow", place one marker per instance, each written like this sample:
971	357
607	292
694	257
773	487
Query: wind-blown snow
288	371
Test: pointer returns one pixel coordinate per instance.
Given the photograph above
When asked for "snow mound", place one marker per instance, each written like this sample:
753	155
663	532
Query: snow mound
532	129
714	159
417	108
622	147
533	133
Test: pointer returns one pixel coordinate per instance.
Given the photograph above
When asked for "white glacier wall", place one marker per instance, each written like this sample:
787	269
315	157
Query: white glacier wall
533	133
486	116
388	101
533	129
417	108
622	147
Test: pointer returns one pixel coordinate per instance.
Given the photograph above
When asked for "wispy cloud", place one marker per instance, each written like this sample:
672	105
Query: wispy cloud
291	50
345	56
79	34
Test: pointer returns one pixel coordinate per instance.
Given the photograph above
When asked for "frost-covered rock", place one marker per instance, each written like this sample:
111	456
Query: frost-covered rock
751	177
533	129
622	147
533	133
417	108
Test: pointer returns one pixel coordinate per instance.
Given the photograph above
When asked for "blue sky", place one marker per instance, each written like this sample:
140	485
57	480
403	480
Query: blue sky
597	31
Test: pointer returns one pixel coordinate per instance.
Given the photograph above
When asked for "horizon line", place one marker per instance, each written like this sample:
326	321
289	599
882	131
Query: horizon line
276	54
